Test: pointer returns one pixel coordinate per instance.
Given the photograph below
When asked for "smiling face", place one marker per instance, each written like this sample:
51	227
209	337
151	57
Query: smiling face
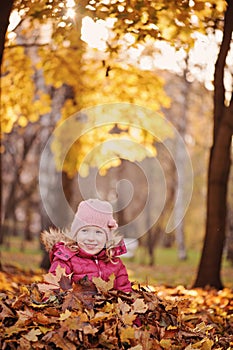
91	239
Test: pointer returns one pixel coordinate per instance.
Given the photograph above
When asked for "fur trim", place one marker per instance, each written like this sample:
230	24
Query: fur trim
116	239
53	236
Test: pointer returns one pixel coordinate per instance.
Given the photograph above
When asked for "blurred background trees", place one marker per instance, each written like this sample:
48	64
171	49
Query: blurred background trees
50	72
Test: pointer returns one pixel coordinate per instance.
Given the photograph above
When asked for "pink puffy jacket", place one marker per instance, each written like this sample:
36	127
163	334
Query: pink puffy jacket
81	264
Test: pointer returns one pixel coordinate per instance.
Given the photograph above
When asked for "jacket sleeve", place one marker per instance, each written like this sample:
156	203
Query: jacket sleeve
122	280
60	255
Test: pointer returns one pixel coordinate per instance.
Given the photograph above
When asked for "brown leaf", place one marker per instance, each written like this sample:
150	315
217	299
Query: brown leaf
40	318
36	293
58	339
15	329
72	302
78	317
24	317
85	291
124	311
59	280
88	329
5	311
170	332
24	344
51	311
65	282
20	300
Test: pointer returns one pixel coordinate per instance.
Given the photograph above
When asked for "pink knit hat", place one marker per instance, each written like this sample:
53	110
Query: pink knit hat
94	212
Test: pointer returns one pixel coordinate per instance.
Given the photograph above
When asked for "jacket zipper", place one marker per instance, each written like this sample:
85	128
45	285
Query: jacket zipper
98	266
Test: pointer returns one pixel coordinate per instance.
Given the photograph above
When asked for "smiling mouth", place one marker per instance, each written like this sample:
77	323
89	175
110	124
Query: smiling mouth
90	246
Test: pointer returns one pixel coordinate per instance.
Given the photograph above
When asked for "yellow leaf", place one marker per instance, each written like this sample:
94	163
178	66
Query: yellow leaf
166	343
103	286
129	318
44	329
126	334
202	327
204	344
65	315
100	316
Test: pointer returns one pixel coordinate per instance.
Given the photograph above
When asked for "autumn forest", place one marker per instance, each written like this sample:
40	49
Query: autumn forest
131	102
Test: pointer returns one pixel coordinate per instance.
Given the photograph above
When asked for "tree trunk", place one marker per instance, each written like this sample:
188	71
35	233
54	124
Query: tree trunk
179	205
150	245
180	159
5	10
230	238
219	168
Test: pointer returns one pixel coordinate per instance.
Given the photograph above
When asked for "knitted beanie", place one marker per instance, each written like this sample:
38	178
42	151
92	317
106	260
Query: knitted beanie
94	212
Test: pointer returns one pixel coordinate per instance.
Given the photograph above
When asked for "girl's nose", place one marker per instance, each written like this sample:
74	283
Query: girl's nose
91	236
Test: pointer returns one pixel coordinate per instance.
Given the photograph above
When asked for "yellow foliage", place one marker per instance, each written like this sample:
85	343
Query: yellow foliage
64	59
95	142
19	103
22	121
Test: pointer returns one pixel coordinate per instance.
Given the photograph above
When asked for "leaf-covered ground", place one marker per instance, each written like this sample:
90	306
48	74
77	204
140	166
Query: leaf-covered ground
46	312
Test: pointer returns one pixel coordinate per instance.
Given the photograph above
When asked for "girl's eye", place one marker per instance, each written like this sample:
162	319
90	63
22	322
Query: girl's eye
100	232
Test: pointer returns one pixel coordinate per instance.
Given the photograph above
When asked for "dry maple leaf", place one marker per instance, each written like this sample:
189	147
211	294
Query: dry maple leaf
81	296
65	315
125	313
139	306
54	282
166	344
5	311
57	338
78	318
103	286
54	279
24	316
32	335
72	302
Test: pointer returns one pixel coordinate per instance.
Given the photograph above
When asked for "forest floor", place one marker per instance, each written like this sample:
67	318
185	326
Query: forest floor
42	311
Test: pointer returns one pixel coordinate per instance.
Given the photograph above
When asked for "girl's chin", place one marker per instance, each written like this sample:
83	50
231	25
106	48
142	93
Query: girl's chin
91	249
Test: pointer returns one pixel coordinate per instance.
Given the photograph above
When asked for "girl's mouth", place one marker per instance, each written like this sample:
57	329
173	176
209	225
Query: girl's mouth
90	246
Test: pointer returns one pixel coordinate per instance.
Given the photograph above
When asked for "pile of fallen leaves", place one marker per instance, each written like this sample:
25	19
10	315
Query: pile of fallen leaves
50	313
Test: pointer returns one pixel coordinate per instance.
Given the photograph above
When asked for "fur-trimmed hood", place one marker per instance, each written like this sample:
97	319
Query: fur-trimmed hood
53	235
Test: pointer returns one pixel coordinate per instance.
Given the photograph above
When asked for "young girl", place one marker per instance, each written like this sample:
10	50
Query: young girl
92	248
